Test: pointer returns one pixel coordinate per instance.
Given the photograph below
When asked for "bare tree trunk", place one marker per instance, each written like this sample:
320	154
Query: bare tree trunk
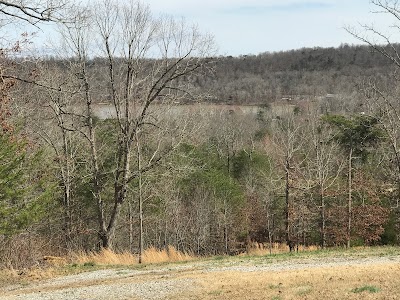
104	234
225	228
269	234
323	219
66	178
165	244
140	220
96	192
130	216
140	191
287	210
349	198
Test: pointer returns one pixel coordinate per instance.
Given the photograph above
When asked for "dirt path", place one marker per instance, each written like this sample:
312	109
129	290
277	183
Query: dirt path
238	278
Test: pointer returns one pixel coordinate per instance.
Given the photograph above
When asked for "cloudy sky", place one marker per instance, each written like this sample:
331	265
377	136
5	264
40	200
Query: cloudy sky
255	26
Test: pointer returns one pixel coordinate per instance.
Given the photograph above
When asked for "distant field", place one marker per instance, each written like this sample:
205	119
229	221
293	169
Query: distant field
371	273
106	111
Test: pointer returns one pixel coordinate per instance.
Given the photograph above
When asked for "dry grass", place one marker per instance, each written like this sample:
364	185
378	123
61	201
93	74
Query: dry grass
8	276
344	282
55	260
260	249
103	257
57	265
12	276
152	255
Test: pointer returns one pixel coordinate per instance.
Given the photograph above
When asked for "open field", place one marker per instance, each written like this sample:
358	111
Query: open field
354	274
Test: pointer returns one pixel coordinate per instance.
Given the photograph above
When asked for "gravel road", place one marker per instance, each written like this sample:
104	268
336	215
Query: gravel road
155	282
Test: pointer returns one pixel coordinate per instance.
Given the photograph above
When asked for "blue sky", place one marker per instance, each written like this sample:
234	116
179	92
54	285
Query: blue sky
253	26
243	27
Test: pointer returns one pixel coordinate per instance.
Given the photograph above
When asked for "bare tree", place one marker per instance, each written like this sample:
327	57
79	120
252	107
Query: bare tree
32	11
150	63
377	39
286	142
323	167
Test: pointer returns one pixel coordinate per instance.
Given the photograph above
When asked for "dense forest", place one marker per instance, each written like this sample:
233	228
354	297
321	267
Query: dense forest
315	161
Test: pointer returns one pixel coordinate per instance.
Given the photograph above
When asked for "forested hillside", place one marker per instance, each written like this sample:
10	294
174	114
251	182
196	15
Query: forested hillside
300	74
263	78
315	161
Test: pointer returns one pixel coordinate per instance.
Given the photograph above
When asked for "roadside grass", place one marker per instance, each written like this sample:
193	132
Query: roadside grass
78	262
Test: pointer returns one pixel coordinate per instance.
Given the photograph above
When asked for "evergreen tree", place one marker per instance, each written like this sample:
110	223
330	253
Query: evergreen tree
356	135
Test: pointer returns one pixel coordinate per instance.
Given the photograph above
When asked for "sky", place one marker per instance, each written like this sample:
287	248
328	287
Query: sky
243	27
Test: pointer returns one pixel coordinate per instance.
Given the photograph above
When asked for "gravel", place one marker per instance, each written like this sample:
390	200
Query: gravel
147	291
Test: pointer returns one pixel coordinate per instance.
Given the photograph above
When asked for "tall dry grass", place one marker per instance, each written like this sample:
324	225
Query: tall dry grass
152	255
149	256
260	249
170	254
103	257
